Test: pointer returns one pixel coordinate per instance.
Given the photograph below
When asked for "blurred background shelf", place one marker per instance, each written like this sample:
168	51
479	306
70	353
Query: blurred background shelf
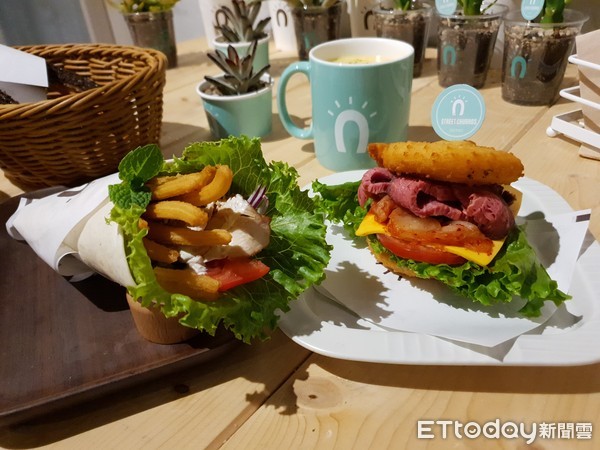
572	124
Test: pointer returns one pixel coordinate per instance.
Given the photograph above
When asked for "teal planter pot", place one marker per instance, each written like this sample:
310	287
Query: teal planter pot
235	115
261	58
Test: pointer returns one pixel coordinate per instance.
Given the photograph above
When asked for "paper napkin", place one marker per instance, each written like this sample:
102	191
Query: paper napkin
70	232
429	307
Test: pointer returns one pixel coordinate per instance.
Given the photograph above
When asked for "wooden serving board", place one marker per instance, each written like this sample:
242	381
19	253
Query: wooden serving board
62	343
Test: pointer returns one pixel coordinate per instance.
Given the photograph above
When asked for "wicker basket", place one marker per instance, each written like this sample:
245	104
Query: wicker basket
70	139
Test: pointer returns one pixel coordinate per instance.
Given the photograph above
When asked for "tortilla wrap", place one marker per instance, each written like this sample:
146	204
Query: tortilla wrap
101	247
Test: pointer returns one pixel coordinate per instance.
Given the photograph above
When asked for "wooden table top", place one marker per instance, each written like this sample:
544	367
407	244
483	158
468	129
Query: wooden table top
276	394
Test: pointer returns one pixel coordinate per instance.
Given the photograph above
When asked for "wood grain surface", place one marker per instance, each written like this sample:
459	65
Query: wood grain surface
69	342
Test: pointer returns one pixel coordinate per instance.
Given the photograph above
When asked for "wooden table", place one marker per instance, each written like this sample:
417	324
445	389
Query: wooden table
276	394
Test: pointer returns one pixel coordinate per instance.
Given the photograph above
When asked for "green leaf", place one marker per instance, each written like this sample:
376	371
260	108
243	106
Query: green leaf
125	197
339	203
472	7
136	167
553	11
403	4
141	164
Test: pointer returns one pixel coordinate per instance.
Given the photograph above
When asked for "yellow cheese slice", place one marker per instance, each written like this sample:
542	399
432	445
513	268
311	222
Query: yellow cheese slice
516	205
370	226
483	259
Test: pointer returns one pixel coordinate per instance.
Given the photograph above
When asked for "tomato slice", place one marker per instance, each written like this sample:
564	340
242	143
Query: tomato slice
236	271
418	252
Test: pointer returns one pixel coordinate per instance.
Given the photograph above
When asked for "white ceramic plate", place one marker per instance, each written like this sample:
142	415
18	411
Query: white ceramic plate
322	326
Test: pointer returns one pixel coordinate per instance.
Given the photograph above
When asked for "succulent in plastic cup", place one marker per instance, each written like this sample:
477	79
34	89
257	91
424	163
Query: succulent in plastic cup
466	42
407	21
536	56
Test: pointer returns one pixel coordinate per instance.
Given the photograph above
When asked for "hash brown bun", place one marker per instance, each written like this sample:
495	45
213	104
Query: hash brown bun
451	161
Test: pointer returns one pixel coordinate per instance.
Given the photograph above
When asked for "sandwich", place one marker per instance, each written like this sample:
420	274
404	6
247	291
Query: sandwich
445	211
218	236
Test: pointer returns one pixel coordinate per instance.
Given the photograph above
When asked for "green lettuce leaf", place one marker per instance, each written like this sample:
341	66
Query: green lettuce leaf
135	169
297	253
515	272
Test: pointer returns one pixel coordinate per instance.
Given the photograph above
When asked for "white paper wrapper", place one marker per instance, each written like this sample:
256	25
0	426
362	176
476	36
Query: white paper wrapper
429	307
69	231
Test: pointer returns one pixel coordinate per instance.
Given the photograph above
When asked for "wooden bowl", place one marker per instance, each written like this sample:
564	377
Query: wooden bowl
152	324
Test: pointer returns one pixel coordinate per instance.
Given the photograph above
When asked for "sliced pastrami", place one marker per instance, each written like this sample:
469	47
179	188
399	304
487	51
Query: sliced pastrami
374	183
480	205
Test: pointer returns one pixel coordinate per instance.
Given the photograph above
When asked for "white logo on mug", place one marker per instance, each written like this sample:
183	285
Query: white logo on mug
351	116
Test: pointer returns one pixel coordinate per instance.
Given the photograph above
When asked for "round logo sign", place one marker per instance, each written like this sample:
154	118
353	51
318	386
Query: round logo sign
445	7
458	112
530	9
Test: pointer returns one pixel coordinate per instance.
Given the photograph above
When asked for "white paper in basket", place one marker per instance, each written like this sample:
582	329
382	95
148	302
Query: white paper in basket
68	230
428	307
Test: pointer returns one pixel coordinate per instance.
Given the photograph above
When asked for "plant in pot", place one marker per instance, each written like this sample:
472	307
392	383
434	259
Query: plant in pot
408	21
238	101
150	24
466	40
241	27
536	53
315	22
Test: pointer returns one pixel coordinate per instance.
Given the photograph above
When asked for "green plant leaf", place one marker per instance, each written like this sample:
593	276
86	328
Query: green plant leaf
473	7
240	25
126	197
137	167
238	77
552	12
136	6
403	4
141	164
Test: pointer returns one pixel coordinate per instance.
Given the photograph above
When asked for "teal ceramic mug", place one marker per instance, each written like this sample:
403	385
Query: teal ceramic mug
360	90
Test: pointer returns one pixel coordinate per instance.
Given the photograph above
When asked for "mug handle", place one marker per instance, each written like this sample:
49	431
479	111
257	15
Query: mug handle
298	67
